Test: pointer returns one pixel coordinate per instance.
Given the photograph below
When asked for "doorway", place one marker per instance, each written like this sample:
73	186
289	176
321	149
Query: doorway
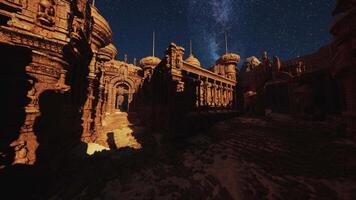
122	98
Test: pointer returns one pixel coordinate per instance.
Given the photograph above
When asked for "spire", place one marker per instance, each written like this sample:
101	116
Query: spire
153	43
191	47
93	3
226	48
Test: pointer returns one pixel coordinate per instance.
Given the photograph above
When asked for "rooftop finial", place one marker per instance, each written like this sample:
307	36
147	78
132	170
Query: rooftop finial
153	43
191	47
226	48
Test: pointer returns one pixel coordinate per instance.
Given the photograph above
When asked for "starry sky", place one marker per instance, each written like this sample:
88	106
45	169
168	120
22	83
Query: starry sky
287	28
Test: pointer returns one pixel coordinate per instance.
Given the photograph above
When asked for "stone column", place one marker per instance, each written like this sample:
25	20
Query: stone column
218	95
221	95
208	93
213	98
230	96
225	97
110	99
202	94
87	111
113	100
25	146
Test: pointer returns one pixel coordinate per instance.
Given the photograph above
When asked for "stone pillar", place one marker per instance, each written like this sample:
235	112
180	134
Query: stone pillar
87	111
202	93
110	99
221	97
208	93
113	100
230	96
99	110
197	93
225	97
25	146
218	96
213	97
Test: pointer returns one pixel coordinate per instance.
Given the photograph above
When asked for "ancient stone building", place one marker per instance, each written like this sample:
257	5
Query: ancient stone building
344	60
253	76
45	45
177	87
112	88
303	86
62	77
63	81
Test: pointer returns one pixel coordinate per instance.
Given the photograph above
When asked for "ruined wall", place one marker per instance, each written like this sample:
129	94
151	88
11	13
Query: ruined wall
303	86
344	65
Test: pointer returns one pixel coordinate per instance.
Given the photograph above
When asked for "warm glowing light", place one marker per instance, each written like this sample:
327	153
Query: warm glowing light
94	148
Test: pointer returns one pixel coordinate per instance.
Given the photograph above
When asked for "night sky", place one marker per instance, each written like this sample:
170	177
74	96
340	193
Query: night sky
287	28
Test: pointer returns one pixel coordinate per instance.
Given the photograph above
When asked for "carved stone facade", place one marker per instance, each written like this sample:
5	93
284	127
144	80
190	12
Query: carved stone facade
176	88
52	87
66	80
40	29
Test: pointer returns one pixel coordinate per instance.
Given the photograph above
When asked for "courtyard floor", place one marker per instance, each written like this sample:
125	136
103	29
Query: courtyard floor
241	158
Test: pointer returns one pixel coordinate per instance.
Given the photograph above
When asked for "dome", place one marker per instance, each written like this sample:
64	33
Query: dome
102	33
193	61
150	61
108	53
230	58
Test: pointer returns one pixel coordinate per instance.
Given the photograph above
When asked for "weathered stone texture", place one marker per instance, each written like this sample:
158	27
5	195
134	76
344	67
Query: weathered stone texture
71	80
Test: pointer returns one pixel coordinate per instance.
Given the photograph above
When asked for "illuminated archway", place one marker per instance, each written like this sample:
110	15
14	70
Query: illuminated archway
120	93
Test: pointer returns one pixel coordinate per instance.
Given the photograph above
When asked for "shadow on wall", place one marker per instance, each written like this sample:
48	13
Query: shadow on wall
111	141
15	84
17	180
58	129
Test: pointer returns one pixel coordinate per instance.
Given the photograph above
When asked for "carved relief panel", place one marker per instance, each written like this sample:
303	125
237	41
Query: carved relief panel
46	12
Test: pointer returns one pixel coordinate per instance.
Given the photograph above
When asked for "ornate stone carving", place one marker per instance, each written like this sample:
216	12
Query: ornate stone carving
46	12
21	152
81	6
123	71
77	28
61	83
32	95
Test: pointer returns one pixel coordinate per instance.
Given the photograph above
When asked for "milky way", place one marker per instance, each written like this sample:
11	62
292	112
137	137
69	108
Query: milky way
288	28
219	14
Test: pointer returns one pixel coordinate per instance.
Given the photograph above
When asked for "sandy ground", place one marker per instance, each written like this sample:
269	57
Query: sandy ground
241	158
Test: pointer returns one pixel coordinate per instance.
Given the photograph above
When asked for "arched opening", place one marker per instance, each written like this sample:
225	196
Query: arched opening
122	93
